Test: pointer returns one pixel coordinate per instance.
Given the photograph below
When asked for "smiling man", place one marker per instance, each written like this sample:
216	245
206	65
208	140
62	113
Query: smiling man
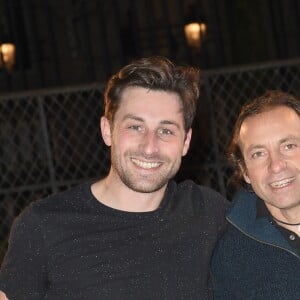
135	234
259	256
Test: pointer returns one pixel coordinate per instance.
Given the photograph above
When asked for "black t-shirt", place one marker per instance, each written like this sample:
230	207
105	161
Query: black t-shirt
70	246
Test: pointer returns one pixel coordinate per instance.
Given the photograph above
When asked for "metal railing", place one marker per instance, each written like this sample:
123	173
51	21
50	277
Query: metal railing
50	139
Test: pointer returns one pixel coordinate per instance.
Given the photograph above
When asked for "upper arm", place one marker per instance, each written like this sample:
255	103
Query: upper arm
23	270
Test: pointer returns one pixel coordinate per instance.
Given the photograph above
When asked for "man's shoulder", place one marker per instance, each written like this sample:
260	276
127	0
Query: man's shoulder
201	200
67	200
201	192
203	203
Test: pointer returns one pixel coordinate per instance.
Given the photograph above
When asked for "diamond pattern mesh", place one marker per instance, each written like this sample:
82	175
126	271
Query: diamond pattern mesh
50	140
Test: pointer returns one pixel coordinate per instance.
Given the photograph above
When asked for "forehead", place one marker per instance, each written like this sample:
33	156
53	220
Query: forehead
147	103
276	123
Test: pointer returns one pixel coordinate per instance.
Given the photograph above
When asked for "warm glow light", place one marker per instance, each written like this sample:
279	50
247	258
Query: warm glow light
7	52
194	33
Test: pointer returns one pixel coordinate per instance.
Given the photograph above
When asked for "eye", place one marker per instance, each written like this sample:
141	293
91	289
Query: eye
290	146
165	131
135	127
257	154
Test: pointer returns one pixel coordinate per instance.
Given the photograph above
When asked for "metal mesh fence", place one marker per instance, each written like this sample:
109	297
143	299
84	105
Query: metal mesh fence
50	140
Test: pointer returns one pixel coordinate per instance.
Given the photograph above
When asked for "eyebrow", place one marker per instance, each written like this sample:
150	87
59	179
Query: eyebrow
288	138
139	119
167	122
281	141
254	147
133	117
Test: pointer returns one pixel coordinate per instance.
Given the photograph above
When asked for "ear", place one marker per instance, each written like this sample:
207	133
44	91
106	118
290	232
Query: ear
244	172
187	141
105	131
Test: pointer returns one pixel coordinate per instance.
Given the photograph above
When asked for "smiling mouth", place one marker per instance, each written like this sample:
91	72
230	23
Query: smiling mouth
281	183
144	164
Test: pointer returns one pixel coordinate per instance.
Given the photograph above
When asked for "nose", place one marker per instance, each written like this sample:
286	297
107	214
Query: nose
277	162
149	144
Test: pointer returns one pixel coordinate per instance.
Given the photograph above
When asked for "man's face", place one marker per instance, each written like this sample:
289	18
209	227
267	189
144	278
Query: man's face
270	143
147	139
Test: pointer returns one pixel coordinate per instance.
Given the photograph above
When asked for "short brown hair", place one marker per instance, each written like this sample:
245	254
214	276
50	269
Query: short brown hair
155	73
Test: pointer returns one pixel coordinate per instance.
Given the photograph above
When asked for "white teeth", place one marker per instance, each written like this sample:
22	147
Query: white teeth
145	165
281	183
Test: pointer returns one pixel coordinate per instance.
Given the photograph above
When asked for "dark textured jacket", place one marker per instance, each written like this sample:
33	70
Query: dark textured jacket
253	260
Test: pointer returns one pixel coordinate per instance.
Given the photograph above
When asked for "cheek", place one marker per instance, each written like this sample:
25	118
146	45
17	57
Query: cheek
255	176
119	141
122	143
174	149
294	162
245	172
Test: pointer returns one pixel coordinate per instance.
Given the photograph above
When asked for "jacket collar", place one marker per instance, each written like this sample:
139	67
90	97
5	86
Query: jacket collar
243	215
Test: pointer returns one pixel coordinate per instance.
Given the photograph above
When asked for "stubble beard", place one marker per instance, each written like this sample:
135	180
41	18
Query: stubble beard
144	183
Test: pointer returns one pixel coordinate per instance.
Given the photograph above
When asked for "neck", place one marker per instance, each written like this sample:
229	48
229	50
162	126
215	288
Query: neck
116	195
287	218
295	227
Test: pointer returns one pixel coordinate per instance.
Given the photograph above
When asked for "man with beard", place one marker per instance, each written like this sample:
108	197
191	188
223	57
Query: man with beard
135	234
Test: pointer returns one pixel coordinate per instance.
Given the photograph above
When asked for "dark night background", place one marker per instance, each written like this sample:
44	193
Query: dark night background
66	50
71	42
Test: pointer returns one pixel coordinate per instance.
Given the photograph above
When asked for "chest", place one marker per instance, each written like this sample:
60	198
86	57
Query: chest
155	253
